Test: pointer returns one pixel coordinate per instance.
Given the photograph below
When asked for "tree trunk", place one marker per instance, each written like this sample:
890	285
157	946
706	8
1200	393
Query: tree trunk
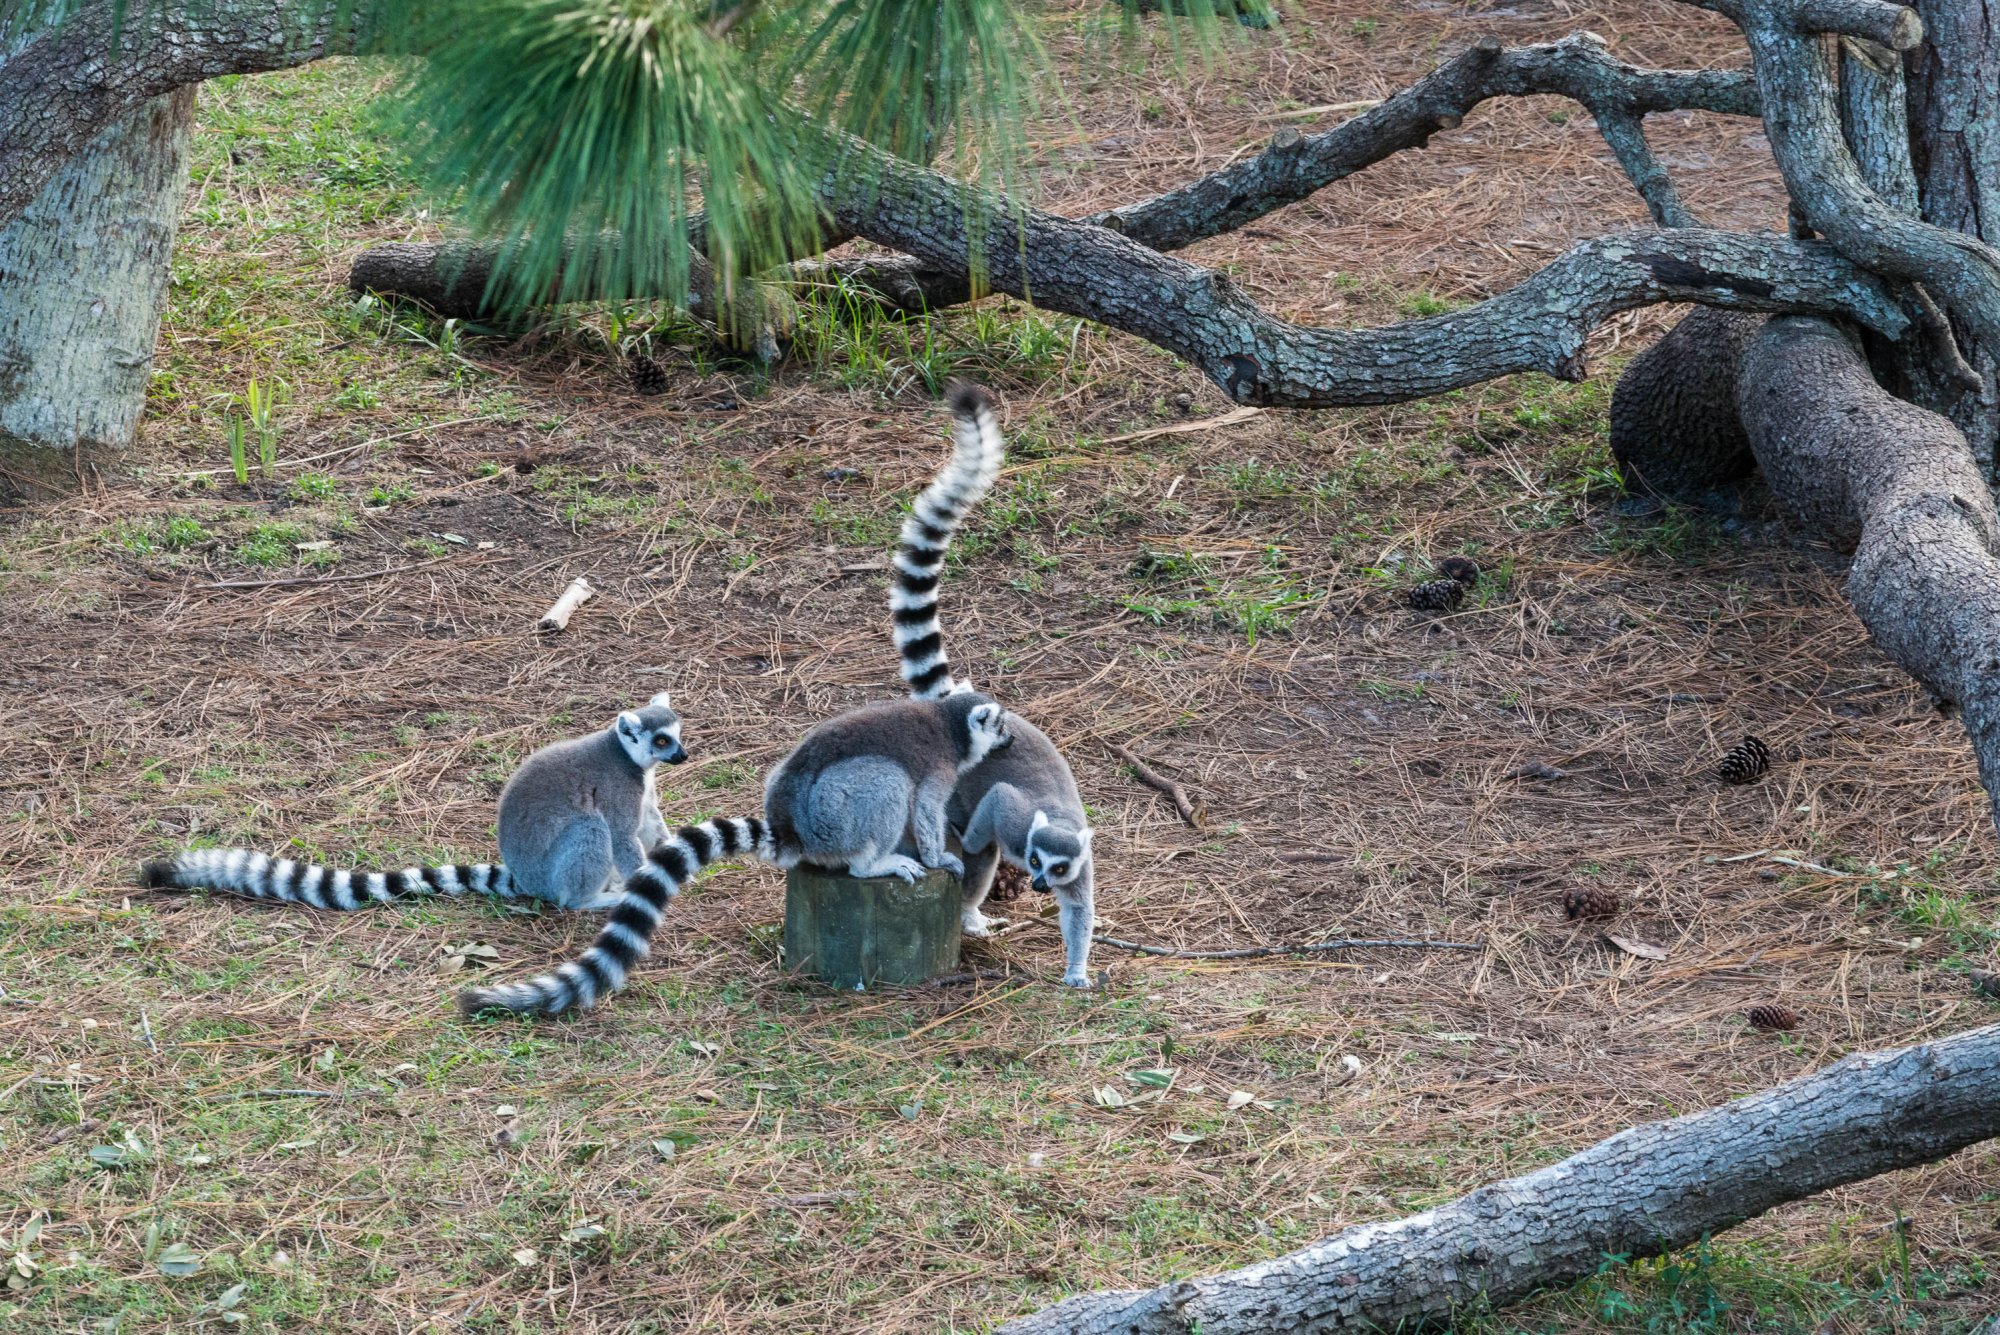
1643	1192
1954	119
83	279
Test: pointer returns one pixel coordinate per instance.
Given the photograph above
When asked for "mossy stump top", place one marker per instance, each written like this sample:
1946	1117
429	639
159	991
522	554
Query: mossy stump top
852	933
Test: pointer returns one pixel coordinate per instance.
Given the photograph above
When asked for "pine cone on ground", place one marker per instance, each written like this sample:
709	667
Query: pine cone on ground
1009	884
1461	568
1773	1016
1440	595
648	376
1590	901
1746	761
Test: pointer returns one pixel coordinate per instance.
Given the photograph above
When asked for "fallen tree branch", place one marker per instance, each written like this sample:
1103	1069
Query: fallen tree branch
1309	948
1541	325
451	277
1643	1192
1153	779
574	596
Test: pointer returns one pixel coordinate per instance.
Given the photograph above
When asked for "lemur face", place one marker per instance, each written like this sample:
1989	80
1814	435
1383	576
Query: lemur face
1056	856
652	735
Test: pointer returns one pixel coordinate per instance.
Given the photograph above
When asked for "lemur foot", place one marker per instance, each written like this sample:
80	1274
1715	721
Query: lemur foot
1076	978
895	865
974	923
950	862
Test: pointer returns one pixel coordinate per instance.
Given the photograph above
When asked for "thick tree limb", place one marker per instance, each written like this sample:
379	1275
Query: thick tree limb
1292	168
62	87
1644	1191
1674	428
1898	484
1541	325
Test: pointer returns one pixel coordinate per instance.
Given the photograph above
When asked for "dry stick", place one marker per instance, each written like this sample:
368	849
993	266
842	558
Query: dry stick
1259	952
325	579
576	595
1152	779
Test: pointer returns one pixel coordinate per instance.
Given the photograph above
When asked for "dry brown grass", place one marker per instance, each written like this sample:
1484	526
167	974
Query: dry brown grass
939	1160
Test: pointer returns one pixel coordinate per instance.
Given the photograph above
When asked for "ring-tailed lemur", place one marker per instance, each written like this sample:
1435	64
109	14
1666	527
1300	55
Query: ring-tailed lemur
857	785
626	938
927	533
1022	802
844	797
575	820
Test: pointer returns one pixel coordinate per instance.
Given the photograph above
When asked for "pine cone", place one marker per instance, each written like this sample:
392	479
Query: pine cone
1440	595
1746	761
1461	568
1590	901
1009	884
648	376
1773	1016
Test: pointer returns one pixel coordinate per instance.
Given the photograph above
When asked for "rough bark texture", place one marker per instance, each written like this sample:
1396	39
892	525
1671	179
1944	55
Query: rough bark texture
1899	485
1080	269
1642	1192
62	88
1674	427
83	275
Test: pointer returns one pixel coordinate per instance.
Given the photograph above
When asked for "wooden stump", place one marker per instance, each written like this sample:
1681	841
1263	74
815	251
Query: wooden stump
852	933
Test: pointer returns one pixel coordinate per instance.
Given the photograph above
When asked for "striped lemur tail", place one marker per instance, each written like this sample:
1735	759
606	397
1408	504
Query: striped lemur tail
927	533
626	938
260	876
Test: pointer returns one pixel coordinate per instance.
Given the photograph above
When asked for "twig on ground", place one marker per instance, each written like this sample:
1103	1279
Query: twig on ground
972	976
1260	952
300	1094
1152	779
576	595
325	579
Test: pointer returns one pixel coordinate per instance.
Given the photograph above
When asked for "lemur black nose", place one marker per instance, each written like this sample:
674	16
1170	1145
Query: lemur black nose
677	755
1040	883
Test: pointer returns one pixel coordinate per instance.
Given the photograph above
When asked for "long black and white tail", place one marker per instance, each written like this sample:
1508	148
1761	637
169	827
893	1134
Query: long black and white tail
626	938
975	462
239	871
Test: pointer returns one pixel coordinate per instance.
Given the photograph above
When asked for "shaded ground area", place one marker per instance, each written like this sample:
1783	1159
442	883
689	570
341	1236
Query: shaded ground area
288	1096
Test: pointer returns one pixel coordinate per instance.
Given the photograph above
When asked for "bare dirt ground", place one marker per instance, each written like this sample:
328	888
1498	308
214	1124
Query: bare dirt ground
289	1097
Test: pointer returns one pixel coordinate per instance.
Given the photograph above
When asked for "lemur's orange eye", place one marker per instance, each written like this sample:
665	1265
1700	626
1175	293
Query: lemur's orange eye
660	743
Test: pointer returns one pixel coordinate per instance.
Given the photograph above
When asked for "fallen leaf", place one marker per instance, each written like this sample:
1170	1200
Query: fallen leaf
1158	1077
701	1049
1107	1097
506	1110
526	1257
708	1096
178	1261
666	1149
583	1232
910	1110
1240	1098
1638	948
1185	1138
1455	1038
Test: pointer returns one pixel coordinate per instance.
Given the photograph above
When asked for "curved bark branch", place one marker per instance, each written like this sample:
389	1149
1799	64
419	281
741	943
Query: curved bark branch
1292	168
1295	165
64	86
1541	325
1644	1191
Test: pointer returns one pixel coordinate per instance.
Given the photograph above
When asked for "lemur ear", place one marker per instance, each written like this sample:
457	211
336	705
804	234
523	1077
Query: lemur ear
1041	819
660	701
1085	835
629	721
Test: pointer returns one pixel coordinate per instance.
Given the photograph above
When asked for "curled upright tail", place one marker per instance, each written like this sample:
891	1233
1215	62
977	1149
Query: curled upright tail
975	462
626	938
240	871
